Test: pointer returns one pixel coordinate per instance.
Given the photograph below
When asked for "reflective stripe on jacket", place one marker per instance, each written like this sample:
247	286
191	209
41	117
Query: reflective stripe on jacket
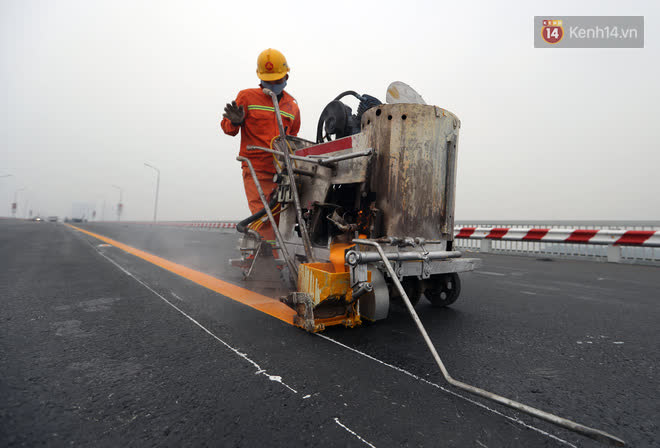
260	126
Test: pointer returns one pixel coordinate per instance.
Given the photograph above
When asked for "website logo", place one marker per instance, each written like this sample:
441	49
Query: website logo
552	31
589	32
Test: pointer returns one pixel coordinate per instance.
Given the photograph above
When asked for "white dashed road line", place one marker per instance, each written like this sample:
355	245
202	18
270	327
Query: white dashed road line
483	406
259	371
353	433
498	274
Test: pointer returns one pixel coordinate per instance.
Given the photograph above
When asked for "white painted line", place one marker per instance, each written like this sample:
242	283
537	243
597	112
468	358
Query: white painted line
279	378
175	296
529	293
498	274
353	432
483	406
259	371
617	342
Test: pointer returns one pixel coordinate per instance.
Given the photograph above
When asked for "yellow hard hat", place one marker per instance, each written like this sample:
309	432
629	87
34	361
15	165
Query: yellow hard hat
271	65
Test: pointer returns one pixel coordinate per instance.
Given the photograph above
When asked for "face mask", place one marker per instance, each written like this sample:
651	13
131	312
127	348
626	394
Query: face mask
275	88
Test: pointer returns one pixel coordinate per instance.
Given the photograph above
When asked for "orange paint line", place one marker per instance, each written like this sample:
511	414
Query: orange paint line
252	299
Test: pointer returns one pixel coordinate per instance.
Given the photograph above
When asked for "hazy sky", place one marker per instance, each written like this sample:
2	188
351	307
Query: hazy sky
93	89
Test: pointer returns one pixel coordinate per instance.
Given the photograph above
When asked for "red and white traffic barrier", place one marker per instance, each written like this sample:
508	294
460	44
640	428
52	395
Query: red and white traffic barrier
647	238
613	239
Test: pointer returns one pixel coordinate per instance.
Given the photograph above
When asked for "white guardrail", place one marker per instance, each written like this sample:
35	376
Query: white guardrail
613	241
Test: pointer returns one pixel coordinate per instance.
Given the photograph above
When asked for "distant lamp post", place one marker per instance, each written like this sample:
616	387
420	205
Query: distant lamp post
157	187
14	205
120	206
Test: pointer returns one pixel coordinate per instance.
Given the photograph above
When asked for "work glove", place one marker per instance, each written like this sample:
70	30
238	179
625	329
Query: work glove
234	113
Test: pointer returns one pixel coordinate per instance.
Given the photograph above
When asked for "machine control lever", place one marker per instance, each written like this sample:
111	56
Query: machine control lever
361	289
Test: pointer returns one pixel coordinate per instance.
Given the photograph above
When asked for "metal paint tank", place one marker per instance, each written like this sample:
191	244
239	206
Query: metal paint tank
414	171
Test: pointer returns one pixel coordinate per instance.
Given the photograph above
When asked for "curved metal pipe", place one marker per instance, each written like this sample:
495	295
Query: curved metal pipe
592	433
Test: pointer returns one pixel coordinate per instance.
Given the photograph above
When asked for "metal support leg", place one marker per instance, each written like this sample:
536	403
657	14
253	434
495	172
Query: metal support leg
592	433
278	235
307	243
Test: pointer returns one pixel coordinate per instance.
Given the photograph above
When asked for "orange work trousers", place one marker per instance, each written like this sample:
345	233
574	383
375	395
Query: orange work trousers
254	202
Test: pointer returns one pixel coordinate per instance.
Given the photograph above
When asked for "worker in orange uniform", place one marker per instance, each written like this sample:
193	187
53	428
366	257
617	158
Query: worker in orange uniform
254	115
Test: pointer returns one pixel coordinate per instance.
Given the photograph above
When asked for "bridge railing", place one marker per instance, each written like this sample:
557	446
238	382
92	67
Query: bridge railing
614	241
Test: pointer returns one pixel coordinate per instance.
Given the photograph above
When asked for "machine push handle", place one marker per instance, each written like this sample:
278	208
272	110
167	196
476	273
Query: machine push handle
319	160
293	272
307	243
592	433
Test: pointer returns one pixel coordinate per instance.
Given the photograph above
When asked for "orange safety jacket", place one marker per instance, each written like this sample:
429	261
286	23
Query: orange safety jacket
259	126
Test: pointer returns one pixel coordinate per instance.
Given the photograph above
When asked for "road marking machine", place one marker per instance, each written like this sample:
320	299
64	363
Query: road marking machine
365	220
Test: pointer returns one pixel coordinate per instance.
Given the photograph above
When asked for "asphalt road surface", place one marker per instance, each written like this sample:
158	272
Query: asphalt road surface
99	347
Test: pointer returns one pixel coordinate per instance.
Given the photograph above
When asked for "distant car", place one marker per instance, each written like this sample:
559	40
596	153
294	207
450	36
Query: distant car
37	218
76	220
52	219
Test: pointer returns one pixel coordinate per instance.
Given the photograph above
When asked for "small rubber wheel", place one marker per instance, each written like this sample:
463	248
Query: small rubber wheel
444	290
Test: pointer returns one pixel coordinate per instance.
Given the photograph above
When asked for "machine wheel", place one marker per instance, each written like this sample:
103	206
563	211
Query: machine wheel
413	288
444	289
376	305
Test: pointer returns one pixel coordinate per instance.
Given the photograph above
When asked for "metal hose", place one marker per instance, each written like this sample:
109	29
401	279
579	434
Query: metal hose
242	226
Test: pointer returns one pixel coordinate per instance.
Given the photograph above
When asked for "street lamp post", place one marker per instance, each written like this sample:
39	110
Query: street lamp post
14	206
157	187
120	205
